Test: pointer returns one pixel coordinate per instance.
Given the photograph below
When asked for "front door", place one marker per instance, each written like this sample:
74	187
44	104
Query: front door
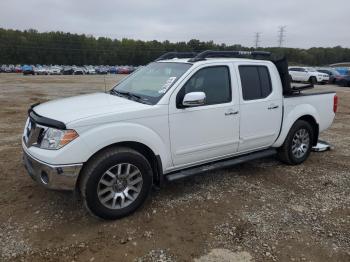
209	131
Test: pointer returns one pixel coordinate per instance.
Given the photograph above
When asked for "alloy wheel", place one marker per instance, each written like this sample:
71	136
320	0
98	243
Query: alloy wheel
119	186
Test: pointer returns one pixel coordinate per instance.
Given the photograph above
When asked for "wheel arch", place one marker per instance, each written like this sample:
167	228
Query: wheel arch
311	120
317	81
153	159
302	112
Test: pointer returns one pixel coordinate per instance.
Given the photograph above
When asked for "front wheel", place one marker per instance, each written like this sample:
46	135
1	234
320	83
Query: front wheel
313	80
116	182
297	146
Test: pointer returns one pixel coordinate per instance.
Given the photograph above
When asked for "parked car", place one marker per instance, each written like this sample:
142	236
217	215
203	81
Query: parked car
125	70
333	74
173	119
113	70
102	70
67	70
18	69
28	70
90	70
307	74
54	70
78	70
40	70
11	69
344	81
6	69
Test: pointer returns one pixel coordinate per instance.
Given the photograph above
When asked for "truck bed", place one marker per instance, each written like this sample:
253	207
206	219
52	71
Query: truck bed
320	103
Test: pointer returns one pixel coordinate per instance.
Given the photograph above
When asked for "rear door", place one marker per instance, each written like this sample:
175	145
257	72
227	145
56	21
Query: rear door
260	105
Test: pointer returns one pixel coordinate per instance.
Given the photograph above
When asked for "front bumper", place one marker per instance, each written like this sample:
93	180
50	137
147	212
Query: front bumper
323	79
61	177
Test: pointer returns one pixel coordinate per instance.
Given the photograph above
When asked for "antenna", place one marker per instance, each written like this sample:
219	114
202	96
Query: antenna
257	39
281	35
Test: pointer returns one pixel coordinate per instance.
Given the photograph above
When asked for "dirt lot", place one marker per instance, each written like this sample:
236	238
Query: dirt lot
258	211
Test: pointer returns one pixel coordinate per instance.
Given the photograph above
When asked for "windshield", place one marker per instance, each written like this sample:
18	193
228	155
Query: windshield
151	82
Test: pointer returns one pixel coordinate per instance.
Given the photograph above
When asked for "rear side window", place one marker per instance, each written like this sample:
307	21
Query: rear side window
256	82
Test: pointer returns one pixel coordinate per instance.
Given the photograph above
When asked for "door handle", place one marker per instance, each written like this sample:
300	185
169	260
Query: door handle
272	107
231	113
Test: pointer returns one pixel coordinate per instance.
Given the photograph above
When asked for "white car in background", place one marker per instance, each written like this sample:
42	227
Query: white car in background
40	70
89	70
307	74
55	70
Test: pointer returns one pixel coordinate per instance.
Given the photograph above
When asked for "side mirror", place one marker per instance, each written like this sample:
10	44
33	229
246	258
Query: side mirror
194	99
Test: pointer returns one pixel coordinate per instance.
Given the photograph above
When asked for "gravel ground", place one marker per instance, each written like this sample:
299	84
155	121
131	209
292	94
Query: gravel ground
257	211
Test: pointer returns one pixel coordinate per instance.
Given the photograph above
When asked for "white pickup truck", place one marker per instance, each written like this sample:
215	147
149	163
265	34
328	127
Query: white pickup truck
307	74
173	118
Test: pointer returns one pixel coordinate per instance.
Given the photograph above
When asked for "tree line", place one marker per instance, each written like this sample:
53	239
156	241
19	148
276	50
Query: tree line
33	47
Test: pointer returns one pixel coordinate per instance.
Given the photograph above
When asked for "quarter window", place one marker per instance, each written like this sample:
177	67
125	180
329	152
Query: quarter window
256	82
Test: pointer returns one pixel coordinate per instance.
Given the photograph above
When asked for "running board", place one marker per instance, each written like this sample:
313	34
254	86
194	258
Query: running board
219	164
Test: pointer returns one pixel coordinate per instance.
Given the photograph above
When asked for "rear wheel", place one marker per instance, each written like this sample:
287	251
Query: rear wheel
115	183
297	146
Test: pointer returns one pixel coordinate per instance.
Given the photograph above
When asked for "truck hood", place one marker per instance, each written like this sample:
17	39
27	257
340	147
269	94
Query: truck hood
80	107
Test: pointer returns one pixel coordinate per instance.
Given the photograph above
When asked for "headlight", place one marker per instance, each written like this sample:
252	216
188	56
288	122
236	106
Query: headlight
56	138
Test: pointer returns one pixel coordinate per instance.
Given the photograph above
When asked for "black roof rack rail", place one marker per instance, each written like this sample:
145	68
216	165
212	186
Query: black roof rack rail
230	54
171	55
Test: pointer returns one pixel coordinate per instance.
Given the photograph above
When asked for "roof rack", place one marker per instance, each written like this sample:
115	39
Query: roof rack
171	55
207	54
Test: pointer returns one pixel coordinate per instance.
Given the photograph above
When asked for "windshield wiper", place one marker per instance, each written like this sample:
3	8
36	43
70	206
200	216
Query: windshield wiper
129	95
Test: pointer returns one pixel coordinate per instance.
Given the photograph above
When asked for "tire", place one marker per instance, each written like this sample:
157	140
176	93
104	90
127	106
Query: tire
313	80
294	150
112	198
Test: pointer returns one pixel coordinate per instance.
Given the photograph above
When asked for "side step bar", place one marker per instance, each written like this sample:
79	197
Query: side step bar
219	164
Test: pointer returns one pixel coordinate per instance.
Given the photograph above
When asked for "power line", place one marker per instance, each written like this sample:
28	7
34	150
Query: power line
257	39
281	35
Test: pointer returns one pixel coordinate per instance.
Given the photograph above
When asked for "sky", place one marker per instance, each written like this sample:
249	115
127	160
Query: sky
307	23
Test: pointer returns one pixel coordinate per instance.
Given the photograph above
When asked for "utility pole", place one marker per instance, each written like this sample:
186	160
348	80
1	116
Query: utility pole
257	39
281	35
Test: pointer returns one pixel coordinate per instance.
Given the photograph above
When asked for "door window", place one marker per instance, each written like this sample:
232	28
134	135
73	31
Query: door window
256	82
213	81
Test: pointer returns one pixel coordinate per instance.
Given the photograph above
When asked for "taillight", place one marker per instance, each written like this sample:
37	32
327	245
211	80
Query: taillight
335	103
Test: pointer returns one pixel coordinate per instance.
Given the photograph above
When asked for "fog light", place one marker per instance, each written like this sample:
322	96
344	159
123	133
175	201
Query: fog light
44	178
